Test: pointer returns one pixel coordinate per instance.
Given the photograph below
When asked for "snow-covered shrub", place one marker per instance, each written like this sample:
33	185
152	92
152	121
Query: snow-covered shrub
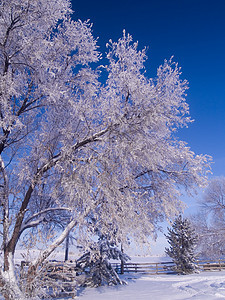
96	266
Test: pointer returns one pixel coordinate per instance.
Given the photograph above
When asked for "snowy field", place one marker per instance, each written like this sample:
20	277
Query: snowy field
203	286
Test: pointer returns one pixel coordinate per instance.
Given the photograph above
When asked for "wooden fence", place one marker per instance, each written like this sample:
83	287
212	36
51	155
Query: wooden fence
166	267
147	268
211	265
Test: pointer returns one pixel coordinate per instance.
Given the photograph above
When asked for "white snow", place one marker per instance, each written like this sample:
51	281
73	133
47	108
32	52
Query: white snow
202	286
198	286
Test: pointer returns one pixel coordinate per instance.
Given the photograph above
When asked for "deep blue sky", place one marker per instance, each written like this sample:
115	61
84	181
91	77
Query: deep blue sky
193	31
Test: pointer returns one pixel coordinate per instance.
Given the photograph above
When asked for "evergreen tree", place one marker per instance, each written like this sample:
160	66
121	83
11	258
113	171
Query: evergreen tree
182	239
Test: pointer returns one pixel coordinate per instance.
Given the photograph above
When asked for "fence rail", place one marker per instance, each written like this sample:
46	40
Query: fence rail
147	268
167	267
211	265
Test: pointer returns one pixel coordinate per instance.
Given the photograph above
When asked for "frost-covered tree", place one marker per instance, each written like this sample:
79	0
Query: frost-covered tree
182	239
210	220
96	266
73	149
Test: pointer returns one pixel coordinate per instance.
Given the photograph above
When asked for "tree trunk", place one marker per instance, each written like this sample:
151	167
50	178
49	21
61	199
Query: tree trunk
8	280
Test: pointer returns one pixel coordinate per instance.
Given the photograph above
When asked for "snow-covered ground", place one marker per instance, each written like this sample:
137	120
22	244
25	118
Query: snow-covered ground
202	286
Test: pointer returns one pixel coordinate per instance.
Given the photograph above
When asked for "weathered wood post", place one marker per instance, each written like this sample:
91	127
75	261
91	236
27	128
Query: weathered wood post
122	262
67	248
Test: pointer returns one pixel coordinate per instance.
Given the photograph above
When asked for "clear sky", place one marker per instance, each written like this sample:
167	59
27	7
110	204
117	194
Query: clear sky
193	31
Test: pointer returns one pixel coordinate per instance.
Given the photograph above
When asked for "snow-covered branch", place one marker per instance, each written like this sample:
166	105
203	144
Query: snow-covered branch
30	222
55	244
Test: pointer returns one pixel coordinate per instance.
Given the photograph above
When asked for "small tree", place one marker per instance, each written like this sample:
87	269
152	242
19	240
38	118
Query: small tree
182	239
96	264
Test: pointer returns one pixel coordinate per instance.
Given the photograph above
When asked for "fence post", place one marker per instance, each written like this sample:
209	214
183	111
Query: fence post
67	248
122	262
156	268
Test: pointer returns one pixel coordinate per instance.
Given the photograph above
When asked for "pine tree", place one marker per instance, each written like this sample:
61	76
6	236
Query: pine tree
182	239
